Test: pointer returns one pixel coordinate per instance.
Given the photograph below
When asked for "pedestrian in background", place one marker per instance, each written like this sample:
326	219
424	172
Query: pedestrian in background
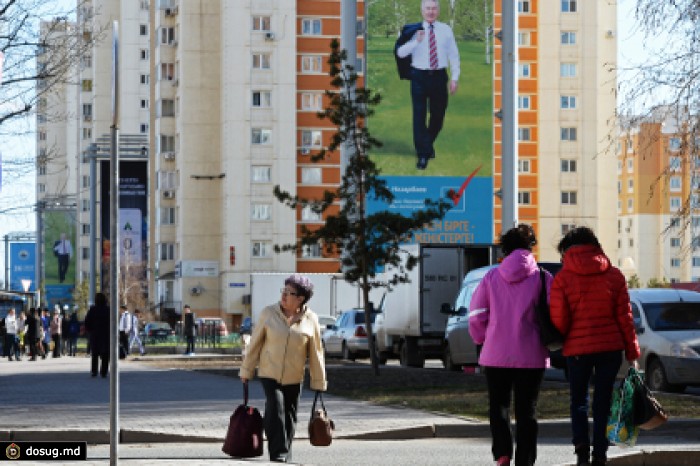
124	330
190	329
65	333
45	332
285	336
73	334
56	327
97	325
21	332
590	306
34	334
503	319
134	336
11	341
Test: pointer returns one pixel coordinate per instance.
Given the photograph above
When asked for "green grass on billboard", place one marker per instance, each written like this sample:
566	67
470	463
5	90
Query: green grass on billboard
466	138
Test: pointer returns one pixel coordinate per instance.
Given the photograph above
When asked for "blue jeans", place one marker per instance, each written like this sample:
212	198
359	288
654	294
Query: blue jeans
605	365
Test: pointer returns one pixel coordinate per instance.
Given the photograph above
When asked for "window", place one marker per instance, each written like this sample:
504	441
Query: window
260	249
523	6
675	203
261	61
675	223
87	85
566	227
675	183
524	102
630	205
261	136
87	111
144	103
310	27
675	262
262	99
41	187
311	250
619	167
42	170
630	186
567	70
86	61
167	215
312	101
675	242
167	179
85	181
523	70
696	262
143	29
87	133
523	197
85	253
308	215
166	251
261	23
167	35
85	205
167	143
261	173
568	38
144	54
523	166
523	134
261	211
311	64
674	164
568	197
568	6
167	71
630	165
523	38
144	79
568	134
695	222
568	102
568	166
310	175
311	138
674	143
167	108
143	128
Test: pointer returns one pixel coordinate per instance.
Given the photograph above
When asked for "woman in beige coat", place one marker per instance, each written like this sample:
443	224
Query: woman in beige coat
286	334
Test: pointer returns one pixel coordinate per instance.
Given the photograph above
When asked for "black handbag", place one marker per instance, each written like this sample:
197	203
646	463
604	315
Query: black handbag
549	334
244	438
648	412
320	425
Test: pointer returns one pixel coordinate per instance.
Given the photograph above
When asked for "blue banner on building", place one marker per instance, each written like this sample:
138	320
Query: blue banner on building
23	265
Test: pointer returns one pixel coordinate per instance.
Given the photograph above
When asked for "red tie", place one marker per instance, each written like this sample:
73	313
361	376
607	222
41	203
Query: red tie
433	49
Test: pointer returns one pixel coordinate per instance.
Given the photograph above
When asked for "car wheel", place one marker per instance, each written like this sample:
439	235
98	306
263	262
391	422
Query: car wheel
347	354
656	378
383	358
447	360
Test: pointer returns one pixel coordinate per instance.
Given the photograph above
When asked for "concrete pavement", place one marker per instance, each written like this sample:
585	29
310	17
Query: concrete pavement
57	399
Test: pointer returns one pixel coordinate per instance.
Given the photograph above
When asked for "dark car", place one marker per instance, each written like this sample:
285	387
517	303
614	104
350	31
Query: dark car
157	331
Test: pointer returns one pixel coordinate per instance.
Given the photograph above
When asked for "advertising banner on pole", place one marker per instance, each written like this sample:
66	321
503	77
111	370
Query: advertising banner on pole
23	265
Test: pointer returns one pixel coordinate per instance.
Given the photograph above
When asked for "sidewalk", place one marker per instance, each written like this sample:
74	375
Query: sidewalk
57	399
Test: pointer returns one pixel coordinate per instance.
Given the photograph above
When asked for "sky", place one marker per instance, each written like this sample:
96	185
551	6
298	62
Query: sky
21	192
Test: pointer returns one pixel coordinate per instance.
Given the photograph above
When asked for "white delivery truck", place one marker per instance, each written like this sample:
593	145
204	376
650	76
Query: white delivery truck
412	325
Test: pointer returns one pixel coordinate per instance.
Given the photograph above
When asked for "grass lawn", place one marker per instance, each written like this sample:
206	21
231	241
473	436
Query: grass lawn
466	138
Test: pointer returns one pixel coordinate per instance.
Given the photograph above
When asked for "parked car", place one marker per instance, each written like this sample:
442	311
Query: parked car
157	331
347	337
325	321
207	326
667	322
460	349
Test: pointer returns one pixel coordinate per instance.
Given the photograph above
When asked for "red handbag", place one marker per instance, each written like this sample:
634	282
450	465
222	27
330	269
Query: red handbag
244	438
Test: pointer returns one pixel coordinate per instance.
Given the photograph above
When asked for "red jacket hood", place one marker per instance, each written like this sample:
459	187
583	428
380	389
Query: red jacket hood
586	259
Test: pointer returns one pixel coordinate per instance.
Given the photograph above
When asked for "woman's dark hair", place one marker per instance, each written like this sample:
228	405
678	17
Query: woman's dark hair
520	237
577	236
302	286
100	299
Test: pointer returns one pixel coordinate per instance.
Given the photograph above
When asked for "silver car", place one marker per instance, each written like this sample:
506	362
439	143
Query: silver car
668	329
347	338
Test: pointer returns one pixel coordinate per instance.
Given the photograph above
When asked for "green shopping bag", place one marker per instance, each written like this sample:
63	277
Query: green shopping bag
621	429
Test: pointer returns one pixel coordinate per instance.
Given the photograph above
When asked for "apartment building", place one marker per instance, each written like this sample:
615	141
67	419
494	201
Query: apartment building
566	109
659	221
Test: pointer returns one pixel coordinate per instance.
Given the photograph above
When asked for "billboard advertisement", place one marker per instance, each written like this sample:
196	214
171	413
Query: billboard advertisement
59	255
132	219
23	265
435	118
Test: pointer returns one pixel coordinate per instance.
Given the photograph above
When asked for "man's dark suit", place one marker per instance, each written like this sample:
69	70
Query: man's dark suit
404	64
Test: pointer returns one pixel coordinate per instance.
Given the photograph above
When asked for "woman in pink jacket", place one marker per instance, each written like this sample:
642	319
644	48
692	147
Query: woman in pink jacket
502	318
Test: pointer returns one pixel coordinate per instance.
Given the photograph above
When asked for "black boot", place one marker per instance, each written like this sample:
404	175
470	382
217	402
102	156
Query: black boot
583	454
599	461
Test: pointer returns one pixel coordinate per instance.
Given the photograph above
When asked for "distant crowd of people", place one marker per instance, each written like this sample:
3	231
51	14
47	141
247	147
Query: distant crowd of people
39	333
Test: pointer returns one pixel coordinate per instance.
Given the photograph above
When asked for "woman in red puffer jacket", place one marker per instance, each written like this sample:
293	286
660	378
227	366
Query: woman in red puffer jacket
590	306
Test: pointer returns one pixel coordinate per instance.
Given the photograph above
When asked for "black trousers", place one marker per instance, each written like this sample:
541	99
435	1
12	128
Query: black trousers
56	345
63	261
281	403
190	344
123	344
525	385
104	366
428	94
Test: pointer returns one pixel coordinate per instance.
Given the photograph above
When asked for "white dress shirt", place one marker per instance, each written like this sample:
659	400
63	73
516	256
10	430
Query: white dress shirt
446	49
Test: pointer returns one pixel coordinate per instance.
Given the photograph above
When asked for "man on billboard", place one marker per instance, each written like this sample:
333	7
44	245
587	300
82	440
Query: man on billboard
432	48
63	250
